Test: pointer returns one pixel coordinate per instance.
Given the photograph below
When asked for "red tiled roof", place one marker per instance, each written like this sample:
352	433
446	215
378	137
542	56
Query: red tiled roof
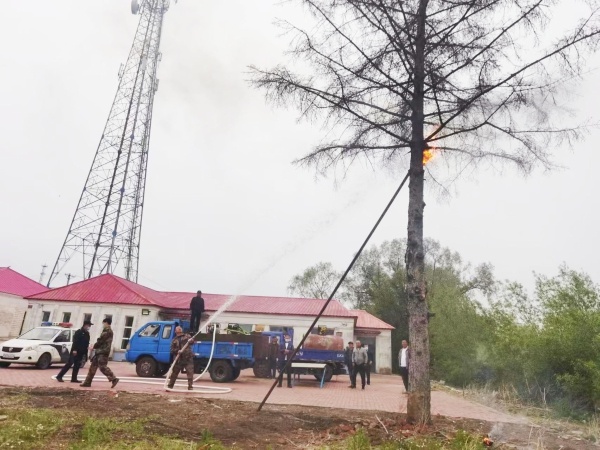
112	289
255	304
14	283
366	320
103	289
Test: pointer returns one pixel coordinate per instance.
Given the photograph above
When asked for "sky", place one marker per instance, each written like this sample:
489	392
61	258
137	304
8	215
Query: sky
226	211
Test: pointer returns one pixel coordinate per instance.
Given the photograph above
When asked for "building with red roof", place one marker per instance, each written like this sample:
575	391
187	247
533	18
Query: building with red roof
13	287
131	305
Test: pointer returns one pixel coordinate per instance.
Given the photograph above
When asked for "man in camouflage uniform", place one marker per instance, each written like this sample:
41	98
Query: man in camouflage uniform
102	348
186	358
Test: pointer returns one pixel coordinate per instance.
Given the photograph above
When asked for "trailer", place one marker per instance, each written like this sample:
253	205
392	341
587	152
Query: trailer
333	360
150	350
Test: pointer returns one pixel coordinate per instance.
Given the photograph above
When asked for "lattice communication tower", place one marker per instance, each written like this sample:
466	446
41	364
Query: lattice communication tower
106	227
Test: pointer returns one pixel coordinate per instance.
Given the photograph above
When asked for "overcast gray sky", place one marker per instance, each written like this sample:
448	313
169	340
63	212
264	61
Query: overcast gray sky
226	211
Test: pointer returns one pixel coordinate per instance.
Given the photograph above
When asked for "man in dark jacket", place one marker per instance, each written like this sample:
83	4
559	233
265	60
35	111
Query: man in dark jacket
102	347
348	361
196	308
273	357
81	342
286	353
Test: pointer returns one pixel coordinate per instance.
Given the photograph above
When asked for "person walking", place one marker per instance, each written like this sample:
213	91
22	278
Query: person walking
196	309
404	361
348	361
273	354
286	353
102	349
81	342
186	358
360	359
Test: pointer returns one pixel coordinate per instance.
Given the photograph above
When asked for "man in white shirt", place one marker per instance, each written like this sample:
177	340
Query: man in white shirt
403	360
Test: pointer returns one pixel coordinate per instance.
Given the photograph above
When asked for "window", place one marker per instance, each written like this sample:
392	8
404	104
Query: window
64	336
45	316
66	317
127	331
150	331
87	317
167	331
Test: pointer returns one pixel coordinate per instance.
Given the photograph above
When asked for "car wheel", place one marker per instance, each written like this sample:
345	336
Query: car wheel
146	367
4	364
236	373
221	371
44	361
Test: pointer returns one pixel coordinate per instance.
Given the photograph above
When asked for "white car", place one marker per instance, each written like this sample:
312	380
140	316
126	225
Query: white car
40	346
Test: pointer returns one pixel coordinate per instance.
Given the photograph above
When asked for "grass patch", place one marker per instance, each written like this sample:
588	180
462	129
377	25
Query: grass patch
461	441
28	428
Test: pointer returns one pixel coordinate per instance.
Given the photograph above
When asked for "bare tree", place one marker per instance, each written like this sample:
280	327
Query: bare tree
397	79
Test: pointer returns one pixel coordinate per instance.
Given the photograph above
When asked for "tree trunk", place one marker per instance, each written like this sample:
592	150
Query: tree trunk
419	397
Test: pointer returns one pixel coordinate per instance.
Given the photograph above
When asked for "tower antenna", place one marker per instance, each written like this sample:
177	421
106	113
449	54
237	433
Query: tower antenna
105	229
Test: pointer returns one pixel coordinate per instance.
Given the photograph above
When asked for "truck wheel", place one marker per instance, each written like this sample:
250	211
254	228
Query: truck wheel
261	369
146	367
236	373
44	361
328	374
4	364
221	371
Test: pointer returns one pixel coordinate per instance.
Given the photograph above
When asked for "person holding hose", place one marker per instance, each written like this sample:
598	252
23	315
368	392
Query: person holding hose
186	358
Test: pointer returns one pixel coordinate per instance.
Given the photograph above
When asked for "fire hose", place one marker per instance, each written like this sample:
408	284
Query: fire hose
202	390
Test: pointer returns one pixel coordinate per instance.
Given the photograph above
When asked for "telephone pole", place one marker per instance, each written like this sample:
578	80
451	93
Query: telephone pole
106	227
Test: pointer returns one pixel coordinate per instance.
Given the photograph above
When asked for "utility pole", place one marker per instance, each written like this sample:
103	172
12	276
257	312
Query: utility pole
69	276
106	227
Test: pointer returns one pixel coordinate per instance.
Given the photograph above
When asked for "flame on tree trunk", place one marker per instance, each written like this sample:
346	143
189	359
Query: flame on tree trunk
419	398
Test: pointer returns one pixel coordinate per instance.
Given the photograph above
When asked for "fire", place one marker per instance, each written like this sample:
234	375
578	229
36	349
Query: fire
428	155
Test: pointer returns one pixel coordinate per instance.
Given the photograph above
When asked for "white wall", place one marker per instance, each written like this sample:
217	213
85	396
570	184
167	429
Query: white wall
98	312
12	310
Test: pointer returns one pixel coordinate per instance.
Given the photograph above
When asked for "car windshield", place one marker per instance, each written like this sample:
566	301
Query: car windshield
39	334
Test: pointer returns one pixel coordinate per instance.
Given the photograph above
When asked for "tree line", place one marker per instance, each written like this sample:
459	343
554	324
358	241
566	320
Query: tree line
543	347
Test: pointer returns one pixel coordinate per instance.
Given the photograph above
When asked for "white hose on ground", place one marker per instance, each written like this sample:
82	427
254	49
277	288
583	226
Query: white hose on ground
202	390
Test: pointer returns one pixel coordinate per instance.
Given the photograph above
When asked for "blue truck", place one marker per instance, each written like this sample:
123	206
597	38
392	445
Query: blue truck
149	348
334	360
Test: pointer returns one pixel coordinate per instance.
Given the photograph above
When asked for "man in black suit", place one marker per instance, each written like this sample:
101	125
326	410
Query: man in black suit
286	353
79	349
196	309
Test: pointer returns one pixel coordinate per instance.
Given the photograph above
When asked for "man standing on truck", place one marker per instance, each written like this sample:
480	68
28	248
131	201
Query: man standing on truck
81	342
286	353
196	308
102	348
348	361
186	358
360	359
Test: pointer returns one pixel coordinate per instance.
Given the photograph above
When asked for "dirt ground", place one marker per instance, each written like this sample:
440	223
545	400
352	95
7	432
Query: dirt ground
239	424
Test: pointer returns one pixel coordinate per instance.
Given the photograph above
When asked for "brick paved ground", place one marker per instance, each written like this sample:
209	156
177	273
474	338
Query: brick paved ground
384	393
